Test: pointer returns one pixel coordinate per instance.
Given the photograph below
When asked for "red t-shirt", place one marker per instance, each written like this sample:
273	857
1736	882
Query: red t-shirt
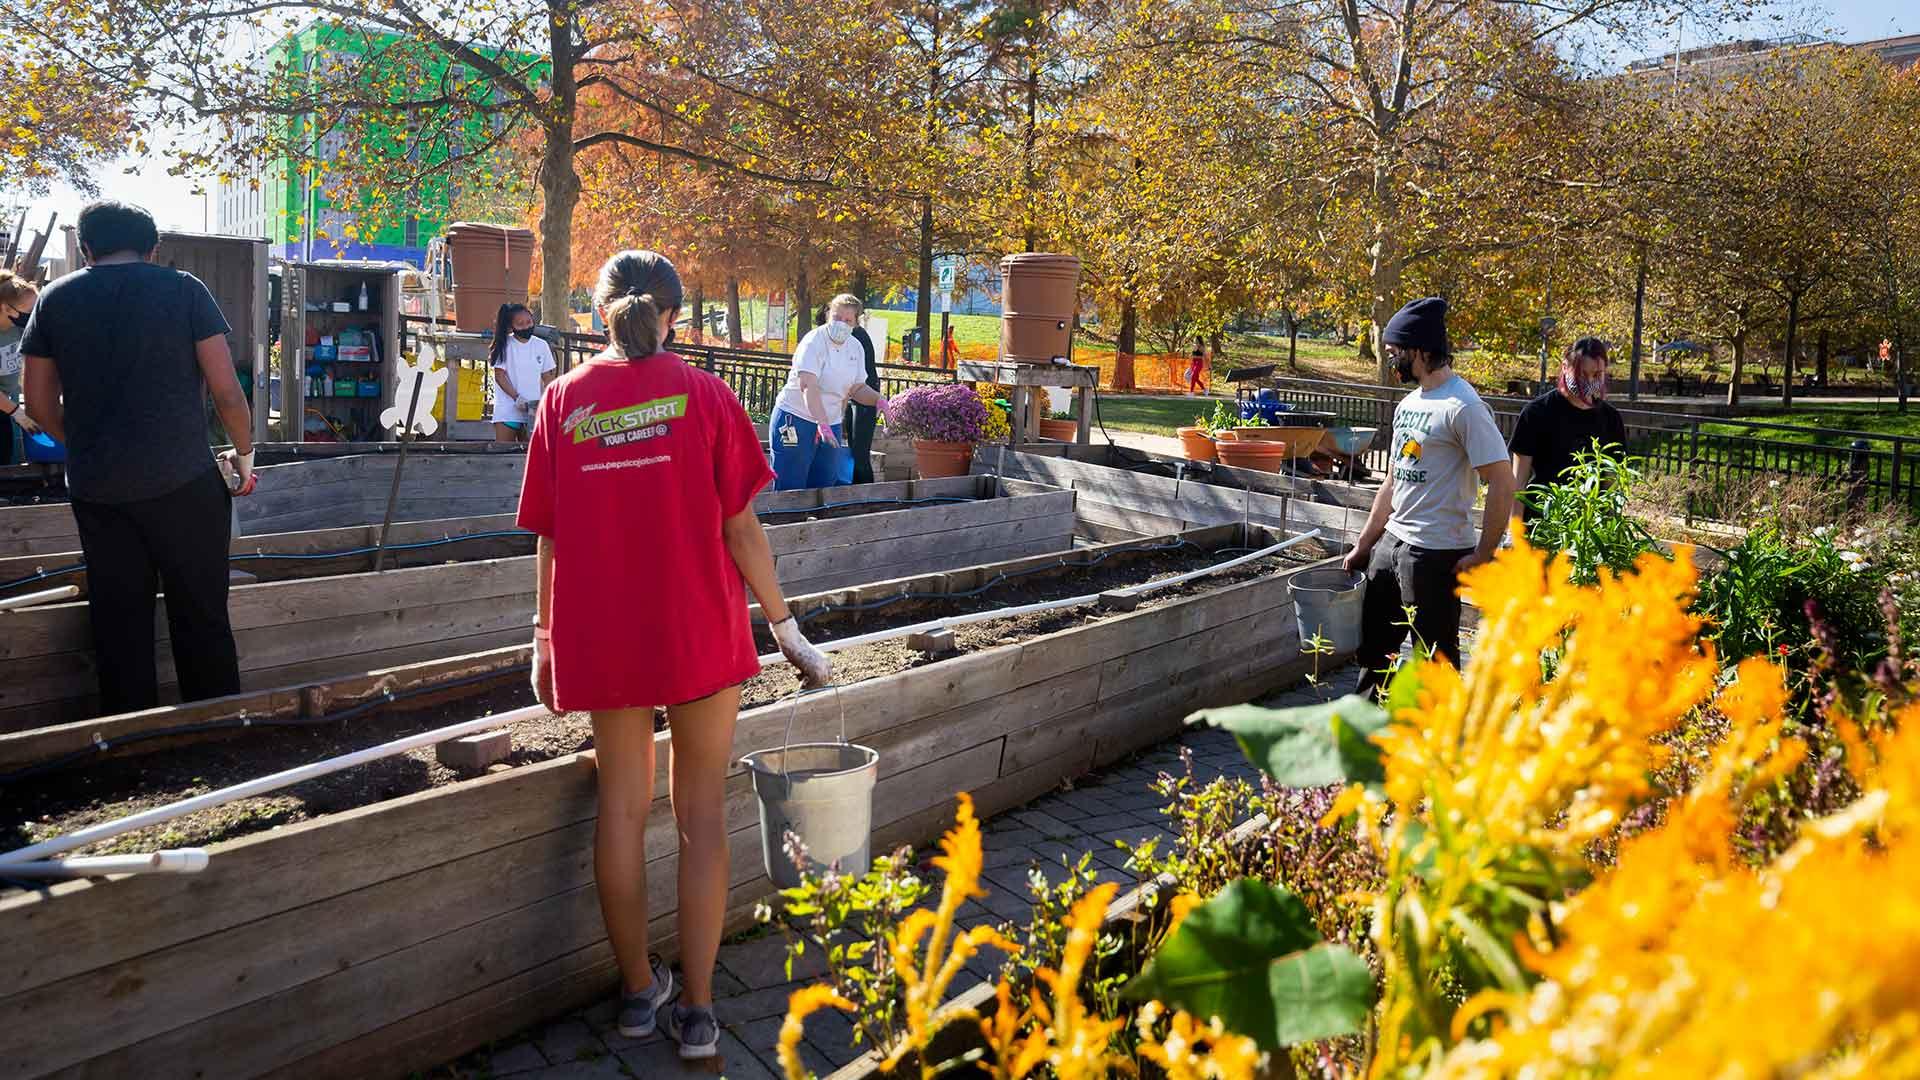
631	468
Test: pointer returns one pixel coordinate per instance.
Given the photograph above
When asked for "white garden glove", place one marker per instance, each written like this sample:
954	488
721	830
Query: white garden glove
814	667
883	407
237	468
543	668
26	422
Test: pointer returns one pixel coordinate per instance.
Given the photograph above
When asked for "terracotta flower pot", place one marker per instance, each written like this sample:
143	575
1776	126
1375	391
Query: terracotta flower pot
1258	455
1226	435
1197	445
1059	430
937	459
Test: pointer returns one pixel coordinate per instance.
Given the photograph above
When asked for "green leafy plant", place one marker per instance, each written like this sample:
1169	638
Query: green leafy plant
1584	515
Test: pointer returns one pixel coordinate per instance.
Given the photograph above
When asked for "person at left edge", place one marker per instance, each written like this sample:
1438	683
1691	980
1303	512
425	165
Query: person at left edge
829	369
120	358
17	297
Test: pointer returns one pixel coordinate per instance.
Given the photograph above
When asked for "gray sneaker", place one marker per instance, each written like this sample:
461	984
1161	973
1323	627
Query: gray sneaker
696	1030
639	1011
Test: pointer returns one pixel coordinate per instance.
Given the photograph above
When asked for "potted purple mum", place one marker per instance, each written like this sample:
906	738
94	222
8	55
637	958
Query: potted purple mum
944	423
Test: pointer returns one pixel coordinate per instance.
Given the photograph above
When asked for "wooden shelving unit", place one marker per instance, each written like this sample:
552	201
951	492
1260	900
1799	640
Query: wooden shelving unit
314	376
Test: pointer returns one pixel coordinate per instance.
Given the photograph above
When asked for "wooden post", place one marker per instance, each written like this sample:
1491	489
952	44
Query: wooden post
1019	418
1083	403
393	491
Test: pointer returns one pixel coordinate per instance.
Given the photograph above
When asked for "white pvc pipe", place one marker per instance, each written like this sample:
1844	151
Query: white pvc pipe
93	834
180	861
1049	605
45	596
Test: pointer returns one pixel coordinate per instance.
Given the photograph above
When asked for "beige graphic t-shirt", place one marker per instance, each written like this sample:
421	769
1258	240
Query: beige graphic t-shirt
1440	436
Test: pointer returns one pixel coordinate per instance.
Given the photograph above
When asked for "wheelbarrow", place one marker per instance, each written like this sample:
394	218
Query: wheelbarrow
1351	441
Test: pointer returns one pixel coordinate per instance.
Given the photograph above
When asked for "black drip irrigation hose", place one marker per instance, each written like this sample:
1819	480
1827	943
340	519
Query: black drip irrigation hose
385	699
925	501
309	556
1003	577
322	556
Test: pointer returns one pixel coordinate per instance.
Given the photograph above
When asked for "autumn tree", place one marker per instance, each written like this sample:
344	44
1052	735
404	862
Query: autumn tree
63	120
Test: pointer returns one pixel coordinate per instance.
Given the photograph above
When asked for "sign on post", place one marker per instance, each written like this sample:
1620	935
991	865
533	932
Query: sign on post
946	272
777	316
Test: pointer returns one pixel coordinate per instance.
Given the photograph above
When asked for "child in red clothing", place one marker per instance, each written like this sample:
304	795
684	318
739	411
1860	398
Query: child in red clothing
641	473
1195	384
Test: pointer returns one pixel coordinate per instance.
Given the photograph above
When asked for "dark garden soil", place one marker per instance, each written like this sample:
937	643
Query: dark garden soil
55	803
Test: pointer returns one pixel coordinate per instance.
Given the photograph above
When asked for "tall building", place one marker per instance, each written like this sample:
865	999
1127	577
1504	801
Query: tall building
295	214
1714	60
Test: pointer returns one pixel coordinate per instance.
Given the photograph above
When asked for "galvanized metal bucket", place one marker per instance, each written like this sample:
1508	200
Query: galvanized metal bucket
1327	602
821	792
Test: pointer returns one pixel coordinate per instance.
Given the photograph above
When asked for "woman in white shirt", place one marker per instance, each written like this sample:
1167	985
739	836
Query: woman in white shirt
522	367
829	369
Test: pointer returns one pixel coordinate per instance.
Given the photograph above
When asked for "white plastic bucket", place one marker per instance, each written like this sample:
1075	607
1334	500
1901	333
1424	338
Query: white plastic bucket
1327	602
822	793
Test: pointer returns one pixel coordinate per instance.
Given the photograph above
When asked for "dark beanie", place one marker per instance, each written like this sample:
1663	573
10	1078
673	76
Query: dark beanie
1422	324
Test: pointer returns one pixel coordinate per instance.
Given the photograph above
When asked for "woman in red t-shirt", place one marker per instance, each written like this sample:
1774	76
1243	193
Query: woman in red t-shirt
641	473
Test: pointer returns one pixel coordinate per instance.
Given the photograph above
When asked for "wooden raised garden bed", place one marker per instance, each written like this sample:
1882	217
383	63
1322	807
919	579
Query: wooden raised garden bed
289	631
397	935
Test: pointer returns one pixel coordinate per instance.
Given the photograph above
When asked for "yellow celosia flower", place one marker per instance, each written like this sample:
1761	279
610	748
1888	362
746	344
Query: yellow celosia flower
1496	777
1192	1050
804	1002
1681	961
924	978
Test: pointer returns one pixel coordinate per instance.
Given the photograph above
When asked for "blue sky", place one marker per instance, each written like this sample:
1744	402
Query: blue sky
174	202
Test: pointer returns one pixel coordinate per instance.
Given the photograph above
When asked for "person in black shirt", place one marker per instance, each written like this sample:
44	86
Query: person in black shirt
120	358
1566	420
865	417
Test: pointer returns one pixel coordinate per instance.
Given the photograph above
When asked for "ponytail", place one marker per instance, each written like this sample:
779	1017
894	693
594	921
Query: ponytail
633	325
638	292
502	327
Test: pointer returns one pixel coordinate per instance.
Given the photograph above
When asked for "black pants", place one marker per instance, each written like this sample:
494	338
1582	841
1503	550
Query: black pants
177	542
1400	576
860	442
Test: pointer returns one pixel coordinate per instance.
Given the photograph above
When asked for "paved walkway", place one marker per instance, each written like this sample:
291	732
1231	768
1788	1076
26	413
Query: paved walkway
751	986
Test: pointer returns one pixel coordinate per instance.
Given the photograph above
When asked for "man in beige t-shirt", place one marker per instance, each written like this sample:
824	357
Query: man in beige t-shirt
1419	537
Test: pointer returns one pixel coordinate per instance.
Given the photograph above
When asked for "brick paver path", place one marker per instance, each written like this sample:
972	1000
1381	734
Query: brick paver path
751	986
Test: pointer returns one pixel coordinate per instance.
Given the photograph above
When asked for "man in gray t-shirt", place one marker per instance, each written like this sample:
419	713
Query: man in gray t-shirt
1419	536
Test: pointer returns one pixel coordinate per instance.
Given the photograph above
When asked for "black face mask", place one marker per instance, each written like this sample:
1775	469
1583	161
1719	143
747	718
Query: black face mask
20	321
668	340
524	335
1404	366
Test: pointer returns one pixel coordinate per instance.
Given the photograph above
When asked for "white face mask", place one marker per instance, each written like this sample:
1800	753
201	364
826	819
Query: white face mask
838	332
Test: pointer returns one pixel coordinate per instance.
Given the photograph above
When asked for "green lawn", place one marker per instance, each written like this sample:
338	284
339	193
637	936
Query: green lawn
1154	416
1868	417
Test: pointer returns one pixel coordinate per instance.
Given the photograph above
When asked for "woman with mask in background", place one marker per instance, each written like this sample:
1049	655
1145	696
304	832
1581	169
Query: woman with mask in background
522	367
640	479
829	369
17	297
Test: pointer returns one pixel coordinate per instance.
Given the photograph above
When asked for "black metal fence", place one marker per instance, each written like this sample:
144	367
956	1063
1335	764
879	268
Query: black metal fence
756	377
1716	457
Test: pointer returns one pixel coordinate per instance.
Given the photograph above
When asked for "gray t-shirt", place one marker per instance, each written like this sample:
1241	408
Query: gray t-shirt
1440	436
122	337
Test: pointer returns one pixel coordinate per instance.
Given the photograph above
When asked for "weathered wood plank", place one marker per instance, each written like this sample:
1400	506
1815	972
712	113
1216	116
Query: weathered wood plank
99	923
